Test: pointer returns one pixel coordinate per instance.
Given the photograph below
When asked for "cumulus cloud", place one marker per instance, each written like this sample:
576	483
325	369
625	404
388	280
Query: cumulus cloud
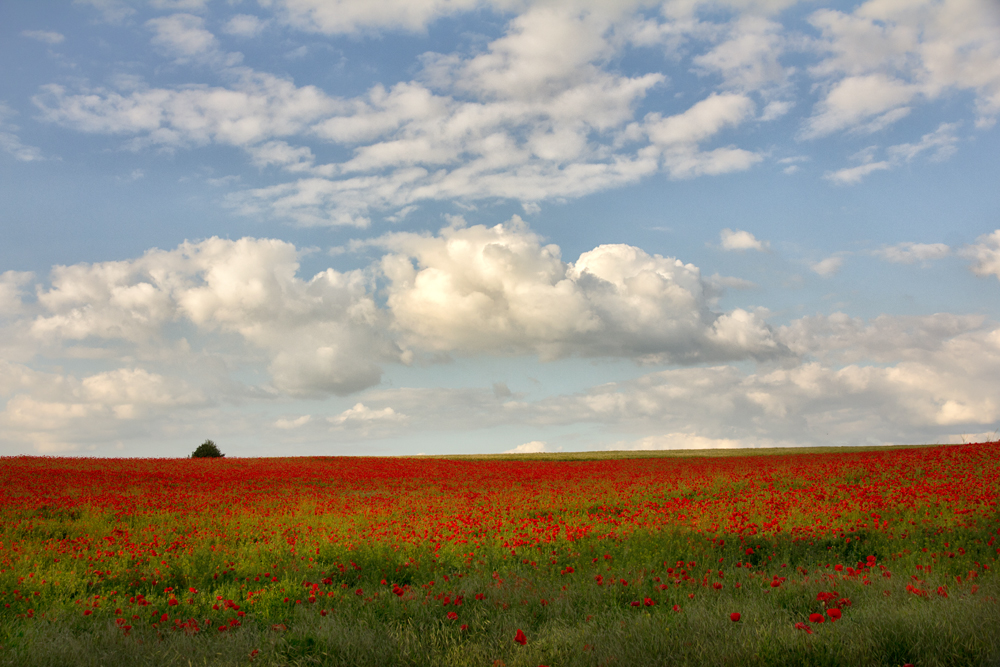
320	336
884	57
749	58
12	287
479	289
829	266
985	254
56	413
741	240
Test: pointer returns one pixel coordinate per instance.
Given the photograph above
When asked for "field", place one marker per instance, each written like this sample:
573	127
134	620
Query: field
878	557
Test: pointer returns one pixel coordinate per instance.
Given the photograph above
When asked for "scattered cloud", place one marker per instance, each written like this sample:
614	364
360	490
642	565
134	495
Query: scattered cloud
244	25
985	254
740	240
881	59
910	253
829	266
47	36
10	143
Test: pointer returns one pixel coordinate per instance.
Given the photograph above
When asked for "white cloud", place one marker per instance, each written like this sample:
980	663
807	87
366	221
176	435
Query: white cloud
858	98
259	107
748	60
534	116
288	424
677	137
499	290
56	413
320	336
740	240
985	253
533	447
244	25
112	11
9	141
949	383
333	17
829	266
182	35
909	252
885	56
941	141
841	339
853	175
47	36
12	285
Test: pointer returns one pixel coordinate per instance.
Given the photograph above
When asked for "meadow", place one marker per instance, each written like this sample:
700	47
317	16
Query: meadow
832	557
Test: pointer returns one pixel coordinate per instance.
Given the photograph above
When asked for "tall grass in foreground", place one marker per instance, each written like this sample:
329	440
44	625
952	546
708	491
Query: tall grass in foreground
334	562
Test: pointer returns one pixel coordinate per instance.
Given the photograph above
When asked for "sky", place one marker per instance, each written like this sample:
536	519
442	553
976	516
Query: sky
400	227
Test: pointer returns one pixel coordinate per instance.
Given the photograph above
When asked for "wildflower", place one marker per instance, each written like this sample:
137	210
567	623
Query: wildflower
520	638
734	617
803	626
815	618
452	616
834	614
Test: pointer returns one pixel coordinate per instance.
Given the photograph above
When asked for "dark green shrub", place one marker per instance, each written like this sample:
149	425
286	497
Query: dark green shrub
207	450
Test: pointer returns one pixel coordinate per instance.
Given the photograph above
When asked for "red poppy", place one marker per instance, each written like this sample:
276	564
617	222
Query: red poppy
452	616
834	614
734	617
520	638
815	618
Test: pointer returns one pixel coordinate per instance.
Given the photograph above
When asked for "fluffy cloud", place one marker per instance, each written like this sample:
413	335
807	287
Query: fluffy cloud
244	25
740	240
884	57
985	253
256	108
57	413
321	336
829	266
677	137
482	289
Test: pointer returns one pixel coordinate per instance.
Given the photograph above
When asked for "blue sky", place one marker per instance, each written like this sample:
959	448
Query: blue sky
461	226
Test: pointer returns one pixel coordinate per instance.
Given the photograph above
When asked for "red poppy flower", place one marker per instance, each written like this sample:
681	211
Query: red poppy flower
815	618
734	617
452	616
834	614
520	638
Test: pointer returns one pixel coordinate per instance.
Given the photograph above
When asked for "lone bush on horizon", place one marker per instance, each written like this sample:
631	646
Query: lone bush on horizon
207	450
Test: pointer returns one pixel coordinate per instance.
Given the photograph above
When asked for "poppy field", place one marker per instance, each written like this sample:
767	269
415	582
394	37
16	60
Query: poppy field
878	557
